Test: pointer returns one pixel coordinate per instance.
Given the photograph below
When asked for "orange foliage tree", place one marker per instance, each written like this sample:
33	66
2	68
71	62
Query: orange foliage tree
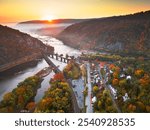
115	82
116	75
145	81
131	108
58	77
139	73
30	106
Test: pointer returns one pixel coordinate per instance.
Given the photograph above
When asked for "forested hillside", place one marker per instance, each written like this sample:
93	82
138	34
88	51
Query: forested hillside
130	33
15	44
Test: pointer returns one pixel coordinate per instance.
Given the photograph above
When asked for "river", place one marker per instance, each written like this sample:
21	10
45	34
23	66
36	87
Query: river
10	82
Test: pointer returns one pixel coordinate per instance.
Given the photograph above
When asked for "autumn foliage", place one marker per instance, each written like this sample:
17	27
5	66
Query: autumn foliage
136	88
30	106
72	70
145	81
16	100
139	73
104	103
115	82
58	77
57	98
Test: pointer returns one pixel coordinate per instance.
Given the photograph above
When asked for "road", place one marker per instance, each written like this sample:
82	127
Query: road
78	90
74	100
107	88
88	102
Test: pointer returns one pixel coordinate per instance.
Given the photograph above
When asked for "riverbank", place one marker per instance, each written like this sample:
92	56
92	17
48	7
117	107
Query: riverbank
18	69
20	61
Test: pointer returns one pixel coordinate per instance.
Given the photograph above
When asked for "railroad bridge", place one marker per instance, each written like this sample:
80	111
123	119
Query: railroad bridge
61	57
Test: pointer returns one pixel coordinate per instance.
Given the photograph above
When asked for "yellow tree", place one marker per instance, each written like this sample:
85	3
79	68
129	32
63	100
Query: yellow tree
95	89
139	73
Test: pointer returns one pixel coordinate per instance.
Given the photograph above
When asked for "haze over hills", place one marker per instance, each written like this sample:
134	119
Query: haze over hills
48	28
129	33
15	44
54	21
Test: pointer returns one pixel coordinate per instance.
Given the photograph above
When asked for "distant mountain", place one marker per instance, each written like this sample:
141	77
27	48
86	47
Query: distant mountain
129	33
46	28
15	44
55	21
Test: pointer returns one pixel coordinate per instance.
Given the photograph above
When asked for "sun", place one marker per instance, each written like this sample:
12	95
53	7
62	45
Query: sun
49	18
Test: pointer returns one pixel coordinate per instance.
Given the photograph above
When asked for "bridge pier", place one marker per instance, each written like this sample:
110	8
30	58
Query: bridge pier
61	59
52	56
64	60
56	56
68	60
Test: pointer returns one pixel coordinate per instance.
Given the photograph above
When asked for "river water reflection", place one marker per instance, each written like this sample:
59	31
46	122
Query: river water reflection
10	82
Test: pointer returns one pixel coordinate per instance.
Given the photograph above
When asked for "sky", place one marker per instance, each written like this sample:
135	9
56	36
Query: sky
23	10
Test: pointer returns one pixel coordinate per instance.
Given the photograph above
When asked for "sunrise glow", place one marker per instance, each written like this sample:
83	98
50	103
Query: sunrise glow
49	18
23	10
